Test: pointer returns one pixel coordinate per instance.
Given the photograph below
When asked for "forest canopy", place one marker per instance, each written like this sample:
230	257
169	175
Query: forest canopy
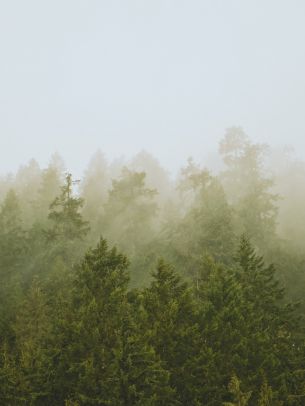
133	287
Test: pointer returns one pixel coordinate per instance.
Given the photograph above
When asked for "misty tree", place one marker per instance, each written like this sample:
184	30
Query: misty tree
27	184
66	231
289	178
51	182
65	215
248	189
94	191
130	211
6	183
156	176
81	329
12	251
206	226
11	232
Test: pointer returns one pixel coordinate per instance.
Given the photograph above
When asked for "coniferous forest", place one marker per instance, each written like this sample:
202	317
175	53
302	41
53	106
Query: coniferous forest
131	287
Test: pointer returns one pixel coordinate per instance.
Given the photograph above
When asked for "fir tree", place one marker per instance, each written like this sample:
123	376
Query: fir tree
248	327
65	215
248	189
206	227
33	332
107	360
13	248
172	326
129	211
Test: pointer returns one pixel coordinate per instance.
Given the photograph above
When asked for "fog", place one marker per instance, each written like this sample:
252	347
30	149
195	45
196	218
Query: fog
165	76
152	203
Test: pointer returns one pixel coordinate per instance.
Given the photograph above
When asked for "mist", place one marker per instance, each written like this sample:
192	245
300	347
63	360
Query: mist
163	76
152	203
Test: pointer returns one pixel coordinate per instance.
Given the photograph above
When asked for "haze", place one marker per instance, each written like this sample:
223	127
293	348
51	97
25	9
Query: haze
152	203
165	76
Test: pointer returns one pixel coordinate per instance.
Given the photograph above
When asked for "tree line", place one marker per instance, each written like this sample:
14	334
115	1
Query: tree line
133	289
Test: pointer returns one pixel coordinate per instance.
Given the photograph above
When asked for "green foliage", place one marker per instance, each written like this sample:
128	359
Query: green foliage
94	187
172	326
239	398
75	331
13	248
49	189
246	186
26	185
8	376
260	334
11	232
267	397
65	215
205	226
129	211
33	334
107	359
97	305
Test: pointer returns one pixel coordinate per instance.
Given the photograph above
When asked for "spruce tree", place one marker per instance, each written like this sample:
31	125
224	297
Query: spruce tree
206	226
249	328
65	215
51	182
172	327
13	248
107	361
143	379
248	189
130	211
33	335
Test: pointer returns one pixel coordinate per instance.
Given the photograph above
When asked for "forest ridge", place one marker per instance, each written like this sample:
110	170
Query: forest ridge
131	288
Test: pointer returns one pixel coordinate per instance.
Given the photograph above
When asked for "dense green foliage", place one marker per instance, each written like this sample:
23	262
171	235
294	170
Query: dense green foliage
198	303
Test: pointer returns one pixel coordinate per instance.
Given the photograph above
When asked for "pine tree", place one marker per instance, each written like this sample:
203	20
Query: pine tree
11	233
248	327
33	335
107	361
275	326
143	380
27	183
129	211
248	189
51	182
65	215
157	178
258	280
172	327
12	251
92	331
206	227
223	326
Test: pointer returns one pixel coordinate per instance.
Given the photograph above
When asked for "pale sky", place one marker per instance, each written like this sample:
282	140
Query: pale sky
165	76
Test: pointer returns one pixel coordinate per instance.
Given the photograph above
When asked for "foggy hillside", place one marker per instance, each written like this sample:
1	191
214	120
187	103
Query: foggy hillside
207	304
152	203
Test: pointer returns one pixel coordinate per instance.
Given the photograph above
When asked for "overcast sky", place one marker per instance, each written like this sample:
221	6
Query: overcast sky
165	76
